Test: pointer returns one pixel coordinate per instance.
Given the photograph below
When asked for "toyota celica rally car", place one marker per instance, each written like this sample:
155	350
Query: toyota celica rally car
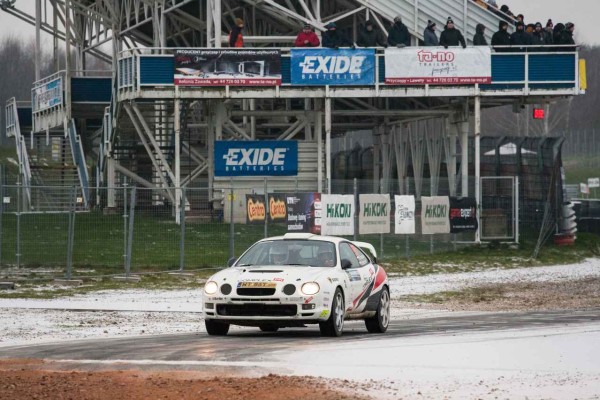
299	279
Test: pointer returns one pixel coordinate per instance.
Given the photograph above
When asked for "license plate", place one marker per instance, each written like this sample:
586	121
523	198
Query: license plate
268	285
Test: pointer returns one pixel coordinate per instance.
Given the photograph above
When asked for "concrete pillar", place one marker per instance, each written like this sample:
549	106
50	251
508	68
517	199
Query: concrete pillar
477	131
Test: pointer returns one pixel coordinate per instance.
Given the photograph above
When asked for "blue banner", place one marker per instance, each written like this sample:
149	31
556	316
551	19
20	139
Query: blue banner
256	158
320	67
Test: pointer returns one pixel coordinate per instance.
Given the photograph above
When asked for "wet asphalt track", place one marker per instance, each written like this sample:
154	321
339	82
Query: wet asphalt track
250	344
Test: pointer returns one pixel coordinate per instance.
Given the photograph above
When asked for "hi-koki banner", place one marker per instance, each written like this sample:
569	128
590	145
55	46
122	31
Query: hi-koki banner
435	213
463	214
374	214
319	67
337	214
438	66
404	215
227	67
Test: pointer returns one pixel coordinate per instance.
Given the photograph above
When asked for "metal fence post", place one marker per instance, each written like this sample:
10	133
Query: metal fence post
71	237
355	208
125	216
1	211
231	227
18	254
266	211
182	236
130	233
407	244
381	234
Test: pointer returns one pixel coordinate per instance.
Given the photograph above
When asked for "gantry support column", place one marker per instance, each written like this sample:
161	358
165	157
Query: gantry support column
177	162
328	142
319	134
464	164
477	131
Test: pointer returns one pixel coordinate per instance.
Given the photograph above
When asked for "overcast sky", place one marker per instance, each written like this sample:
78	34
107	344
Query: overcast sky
585	14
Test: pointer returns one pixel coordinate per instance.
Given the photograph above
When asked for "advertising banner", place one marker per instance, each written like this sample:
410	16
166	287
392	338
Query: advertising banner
303	212
435	215
48	95
374	214
256	158
438	66
404	215
593	182
321	67
255	209
338	214
277	208
227	67
463	214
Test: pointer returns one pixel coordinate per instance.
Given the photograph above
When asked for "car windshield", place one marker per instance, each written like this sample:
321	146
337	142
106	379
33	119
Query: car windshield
309	253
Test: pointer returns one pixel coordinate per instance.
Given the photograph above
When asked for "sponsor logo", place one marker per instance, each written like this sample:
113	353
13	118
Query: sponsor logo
436	211
311	298
277	209
353	275
375	210
462	212
332	64
256	210
339	210
404	213
240	157
324	313
277	279
432	56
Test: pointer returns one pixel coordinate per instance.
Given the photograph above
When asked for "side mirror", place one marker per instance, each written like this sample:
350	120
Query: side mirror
346	263
231	261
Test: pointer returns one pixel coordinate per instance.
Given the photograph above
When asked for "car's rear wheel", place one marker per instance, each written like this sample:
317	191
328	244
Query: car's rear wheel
334	326
379	323
216	328
269	328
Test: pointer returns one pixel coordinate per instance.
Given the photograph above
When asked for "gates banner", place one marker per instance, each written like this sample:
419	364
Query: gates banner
227	67
256	158
255	209
463	214
404	215
48	95
321	67
374	214
338	214
277	208
303	212
435	215
438	66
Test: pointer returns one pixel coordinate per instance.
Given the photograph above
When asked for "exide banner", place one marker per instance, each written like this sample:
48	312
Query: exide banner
256	158
321	67
438	66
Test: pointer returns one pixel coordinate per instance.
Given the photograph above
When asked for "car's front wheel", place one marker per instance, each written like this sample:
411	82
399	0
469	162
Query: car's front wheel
334	325
216	328
379	323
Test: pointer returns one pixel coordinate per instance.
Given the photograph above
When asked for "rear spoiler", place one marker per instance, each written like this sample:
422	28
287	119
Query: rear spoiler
369	247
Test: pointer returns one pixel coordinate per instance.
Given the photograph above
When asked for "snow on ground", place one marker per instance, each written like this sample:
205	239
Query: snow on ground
112	313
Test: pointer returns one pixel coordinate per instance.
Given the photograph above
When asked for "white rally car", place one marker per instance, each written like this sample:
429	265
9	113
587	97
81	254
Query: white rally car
299	279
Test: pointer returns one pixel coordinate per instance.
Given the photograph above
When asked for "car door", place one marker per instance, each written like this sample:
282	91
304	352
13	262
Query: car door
367	275
353	275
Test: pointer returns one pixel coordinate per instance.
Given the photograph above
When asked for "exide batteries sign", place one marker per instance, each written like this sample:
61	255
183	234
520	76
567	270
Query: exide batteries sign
333	67
256	158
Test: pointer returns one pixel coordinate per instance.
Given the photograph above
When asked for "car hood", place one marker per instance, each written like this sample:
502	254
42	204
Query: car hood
288	274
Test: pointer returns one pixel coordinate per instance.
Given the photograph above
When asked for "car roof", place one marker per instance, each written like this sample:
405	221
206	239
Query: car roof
305	236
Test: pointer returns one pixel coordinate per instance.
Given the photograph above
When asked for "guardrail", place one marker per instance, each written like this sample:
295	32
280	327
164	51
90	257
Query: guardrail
79	159
13	128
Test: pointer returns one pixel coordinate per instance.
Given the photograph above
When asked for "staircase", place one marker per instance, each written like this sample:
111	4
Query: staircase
415	14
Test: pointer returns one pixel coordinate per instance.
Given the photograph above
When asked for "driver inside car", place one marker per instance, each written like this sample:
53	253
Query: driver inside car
325	257
279	254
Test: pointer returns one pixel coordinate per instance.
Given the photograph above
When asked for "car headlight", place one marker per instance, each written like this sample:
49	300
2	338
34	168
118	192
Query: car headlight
310	288
211	287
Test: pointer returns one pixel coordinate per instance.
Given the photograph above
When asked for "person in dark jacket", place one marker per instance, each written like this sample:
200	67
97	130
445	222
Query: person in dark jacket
307	38
507	14
236	39
334	39
398	34
371	37
452	36
520	18
520	37
479	38
566	37
429	36
539	35
548	32
502	37
558	28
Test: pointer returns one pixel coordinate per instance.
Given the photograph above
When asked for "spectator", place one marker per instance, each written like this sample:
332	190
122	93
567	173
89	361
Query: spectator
236	39
548	32
502	37
566	37
451	36
429	36
492	3
558	28
307	38
539	35
371	37
507	11
479	38
398	34
520	37
529	29
520	18
334	39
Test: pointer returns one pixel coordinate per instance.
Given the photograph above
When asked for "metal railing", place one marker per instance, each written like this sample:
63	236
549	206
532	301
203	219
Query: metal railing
79	160
14	128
